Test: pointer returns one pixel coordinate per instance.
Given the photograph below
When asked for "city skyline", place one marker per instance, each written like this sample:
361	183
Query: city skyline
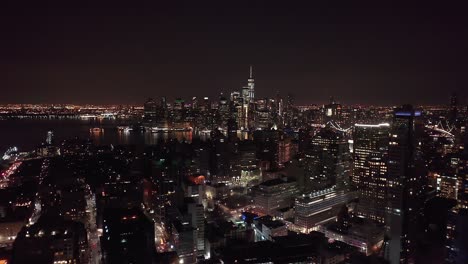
121	55
256	132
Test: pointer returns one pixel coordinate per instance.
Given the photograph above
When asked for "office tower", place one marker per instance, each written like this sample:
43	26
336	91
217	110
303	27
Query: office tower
224	112
285	151
278	111
205	105
50	137
194	103
327	162
369	176
406	186
263	114
266	142
288	114
332	111
178	110
184	239
453	109
195	210
128	237
461	170
150	110
457	241
164	103
251	85
179	104
247	110
248	91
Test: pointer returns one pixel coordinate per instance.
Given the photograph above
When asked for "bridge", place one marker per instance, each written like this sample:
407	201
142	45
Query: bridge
444	129
441	128
11	152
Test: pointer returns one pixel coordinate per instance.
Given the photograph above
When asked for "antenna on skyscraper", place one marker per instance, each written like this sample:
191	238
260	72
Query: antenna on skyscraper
251	72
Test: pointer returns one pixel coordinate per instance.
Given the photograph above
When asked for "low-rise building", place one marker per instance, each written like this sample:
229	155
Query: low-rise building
318	207
366	235
275	194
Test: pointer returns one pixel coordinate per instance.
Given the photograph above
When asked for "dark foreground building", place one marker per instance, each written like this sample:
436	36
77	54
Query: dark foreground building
128	237
51	240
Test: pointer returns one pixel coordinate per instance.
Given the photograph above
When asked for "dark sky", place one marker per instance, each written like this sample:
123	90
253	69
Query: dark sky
123	54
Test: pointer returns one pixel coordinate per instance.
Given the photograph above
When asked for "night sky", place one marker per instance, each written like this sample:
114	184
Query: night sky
124	54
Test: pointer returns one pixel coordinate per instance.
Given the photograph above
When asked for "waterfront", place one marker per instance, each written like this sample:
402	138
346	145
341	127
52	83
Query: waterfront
26	134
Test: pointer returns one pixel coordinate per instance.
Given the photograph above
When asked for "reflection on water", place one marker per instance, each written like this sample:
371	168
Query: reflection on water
29	133
120	137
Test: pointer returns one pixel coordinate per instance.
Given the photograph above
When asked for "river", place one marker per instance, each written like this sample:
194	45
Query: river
26	134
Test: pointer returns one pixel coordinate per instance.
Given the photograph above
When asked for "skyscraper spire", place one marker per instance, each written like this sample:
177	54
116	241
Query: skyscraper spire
251	72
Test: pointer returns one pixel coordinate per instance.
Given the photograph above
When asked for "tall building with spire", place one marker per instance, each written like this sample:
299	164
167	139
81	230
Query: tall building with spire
248	91
248	96
251	85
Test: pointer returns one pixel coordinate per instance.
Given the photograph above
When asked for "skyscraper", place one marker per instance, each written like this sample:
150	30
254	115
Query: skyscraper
248	91
332	111
151	110
453	109
406	186
248	96
50	137
327	161
369	176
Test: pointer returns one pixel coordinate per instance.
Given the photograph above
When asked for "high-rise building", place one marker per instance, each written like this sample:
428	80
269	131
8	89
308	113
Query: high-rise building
332	111
457	241
369	176
184	238
224	112
453	109
195	210
50	137
150	110
406	186
327	162
285	152
288	114
247	108
248	91
461	166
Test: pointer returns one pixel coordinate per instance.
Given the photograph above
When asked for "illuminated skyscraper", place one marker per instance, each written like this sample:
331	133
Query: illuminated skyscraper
289	110
332	111
50	137
327	162
453	109
406	186
369	176
151	110
248	91
248	96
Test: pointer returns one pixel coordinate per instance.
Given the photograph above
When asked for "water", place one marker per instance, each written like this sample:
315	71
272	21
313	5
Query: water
27	134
